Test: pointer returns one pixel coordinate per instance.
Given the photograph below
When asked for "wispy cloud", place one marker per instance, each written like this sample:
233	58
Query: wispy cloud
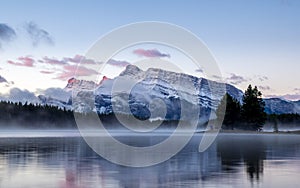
118	63
80	59
297	90
65	67
55	93
236	79
291	97
18	95
261	78
46	72
23	61
265	88
68	60
199	70
150	53
70	71
52	61
7	33
2	80
37	34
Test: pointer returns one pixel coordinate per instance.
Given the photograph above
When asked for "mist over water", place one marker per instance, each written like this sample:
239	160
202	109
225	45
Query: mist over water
232	161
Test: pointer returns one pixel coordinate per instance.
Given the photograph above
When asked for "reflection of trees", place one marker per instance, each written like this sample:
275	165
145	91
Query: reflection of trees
74	155
238	149
82	164
254	169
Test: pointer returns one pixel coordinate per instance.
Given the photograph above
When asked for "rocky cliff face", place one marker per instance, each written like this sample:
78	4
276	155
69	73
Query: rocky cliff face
136	92
166	93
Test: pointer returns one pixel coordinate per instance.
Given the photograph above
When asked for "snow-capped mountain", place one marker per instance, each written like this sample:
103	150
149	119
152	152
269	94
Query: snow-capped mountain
63	97
168	90
53	101
157	89
280	106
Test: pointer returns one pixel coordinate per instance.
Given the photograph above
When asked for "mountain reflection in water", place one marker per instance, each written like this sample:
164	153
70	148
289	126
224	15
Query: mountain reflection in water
232	161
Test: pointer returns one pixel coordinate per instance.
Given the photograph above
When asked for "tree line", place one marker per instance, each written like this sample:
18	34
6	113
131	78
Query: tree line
30	115
250	114
247	115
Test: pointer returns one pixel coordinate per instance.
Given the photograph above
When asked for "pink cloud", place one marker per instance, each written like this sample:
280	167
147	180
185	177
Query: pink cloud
46	72
79	59
74	70
118	63
52	61
150	53
76	59
23	61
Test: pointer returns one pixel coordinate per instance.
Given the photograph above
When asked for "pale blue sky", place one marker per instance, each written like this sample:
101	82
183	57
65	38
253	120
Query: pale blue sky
251	39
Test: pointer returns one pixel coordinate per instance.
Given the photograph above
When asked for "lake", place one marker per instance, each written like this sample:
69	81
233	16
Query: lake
244	160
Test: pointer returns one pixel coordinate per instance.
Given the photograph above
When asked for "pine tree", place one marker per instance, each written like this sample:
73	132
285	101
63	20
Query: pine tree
252	112
232	111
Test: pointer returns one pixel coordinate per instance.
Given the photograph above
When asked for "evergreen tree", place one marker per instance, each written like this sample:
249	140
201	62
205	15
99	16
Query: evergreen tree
252	112
232	111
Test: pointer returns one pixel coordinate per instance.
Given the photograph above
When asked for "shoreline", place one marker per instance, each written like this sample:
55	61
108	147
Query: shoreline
258	132
42	133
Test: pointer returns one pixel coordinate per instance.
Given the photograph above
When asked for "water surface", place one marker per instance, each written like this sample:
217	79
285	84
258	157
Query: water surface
232	161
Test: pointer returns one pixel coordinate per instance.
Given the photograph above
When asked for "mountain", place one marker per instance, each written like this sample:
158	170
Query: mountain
48	100
280	106
156	84
163	91
169	94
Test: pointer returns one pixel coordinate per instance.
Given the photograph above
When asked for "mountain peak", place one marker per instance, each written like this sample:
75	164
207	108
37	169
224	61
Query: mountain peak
79	84
2	80
130	70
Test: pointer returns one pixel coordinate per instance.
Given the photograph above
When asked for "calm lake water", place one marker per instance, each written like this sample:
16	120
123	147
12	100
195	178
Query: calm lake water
232	161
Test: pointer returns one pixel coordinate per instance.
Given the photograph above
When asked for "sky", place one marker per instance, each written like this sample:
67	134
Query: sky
254	42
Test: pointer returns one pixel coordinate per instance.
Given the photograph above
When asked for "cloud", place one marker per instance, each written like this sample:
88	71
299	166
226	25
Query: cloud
118	63
23	61
6	33
76	59
150	53
80	59
38	35
46	72
262	78
236	79
291	97
265	88
52	61
2	80
199	70
55	93
18	95
217	77
72	70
